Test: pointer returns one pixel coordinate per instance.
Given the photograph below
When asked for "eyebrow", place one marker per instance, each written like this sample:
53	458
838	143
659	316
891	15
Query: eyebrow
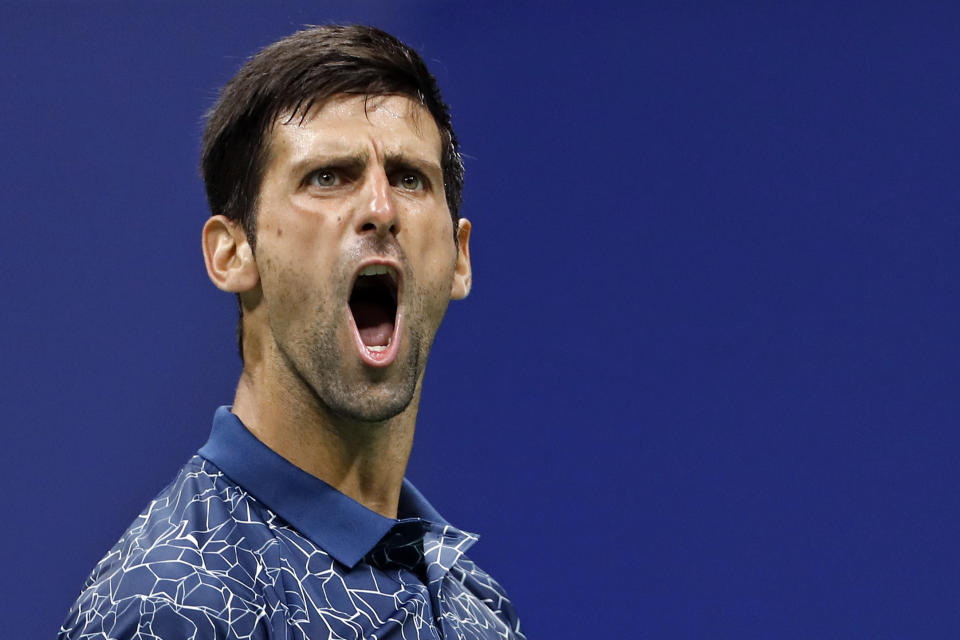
358	161
400	161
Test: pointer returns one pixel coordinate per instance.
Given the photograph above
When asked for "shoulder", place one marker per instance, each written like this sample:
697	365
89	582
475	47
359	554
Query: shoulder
488	591
192	565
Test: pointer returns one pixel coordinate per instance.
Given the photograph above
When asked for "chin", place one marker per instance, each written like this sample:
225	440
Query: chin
345	385
367	394
370	405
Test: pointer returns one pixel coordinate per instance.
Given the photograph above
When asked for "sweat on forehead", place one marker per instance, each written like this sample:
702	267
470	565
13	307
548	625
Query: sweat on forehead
306	109
387	129
382	104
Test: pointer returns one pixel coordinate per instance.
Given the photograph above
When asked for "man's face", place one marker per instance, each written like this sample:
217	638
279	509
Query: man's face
355	251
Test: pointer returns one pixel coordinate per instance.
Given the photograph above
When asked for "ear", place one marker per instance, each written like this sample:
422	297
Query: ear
227	254
462	274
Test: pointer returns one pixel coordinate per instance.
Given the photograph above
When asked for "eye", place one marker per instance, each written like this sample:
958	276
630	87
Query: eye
411	181
324	178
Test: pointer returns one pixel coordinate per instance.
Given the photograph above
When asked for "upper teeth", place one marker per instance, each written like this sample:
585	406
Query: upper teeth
374	270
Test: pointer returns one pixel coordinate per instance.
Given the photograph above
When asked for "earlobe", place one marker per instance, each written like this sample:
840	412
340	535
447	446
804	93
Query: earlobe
228	256
463	273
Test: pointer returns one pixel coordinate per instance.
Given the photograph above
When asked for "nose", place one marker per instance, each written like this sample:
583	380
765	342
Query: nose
378	213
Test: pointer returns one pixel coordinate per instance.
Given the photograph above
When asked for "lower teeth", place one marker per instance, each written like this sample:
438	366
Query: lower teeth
380	347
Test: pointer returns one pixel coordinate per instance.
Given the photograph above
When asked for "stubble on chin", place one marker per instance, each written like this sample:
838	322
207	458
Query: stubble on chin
373	395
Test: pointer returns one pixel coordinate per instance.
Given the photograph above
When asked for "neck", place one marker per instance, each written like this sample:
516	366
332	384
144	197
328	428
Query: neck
365	461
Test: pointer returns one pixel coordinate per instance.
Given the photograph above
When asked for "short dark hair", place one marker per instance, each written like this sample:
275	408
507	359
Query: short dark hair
289	77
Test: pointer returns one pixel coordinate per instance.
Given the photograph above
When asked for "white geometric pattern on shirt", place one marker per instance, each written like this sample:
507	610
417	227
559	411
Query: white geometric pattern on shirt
207	560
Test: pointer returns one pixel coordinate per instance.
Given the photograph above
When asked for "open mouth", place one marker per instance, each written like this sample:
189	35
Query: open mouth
373	303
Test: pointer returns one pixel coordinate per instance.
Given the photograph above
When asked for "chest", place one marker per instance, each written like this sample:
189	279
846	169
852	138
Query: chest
313	596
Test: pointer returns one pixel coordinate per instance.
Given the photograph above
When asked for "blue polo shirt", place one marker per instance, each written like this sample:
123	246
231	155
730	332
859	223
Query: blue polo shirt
244	545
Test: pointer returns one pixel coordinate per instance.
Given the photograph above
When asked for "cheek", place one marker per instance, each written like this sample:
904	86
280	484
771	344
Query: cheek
282	287
285	279
434	244
293	249
437	261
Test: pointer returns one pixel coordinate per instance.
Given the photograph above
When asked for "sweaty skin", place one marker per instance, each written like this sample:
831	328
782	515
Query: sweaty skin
358	182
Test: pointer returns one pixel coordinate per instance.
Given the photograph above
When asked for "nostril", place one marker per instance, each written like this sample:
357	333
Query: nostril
393	229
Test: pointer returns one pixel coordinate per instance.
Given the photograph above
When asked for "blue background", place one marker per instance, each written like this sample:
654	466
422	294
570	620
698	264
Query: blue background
706	382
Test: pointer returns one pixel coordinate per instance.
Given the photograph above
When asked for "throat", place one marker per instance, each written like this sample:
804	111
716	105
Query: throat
374	316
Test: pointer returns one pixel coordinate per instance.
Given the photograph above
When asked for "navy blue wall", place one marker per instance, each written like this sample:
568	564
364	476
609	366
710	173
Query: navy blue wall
706	383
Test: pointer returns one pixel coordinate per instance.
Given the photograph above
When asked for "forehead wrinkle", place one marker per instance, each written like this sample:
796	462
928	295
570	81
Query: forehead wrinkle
317	141
414	110
371	103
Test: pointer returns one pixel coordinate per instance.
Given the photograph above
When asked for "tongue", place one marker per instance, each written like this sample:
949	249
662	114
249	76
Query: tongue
374	322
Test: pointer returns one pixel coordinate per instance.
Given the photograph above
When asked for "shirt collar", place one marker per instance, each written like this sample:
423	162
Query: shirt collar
339	525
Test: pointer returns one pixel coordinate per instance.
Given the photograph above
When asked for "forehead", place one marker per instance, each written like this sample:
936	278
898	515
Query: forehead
392	125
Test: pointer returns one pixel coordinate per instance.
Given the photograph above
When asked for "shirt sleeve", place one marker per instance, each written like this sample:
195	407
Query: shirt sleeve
152	618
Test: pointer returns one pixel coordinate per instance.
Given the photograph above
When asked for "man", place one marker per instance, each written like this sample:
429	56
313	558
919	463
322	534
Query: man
334	179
